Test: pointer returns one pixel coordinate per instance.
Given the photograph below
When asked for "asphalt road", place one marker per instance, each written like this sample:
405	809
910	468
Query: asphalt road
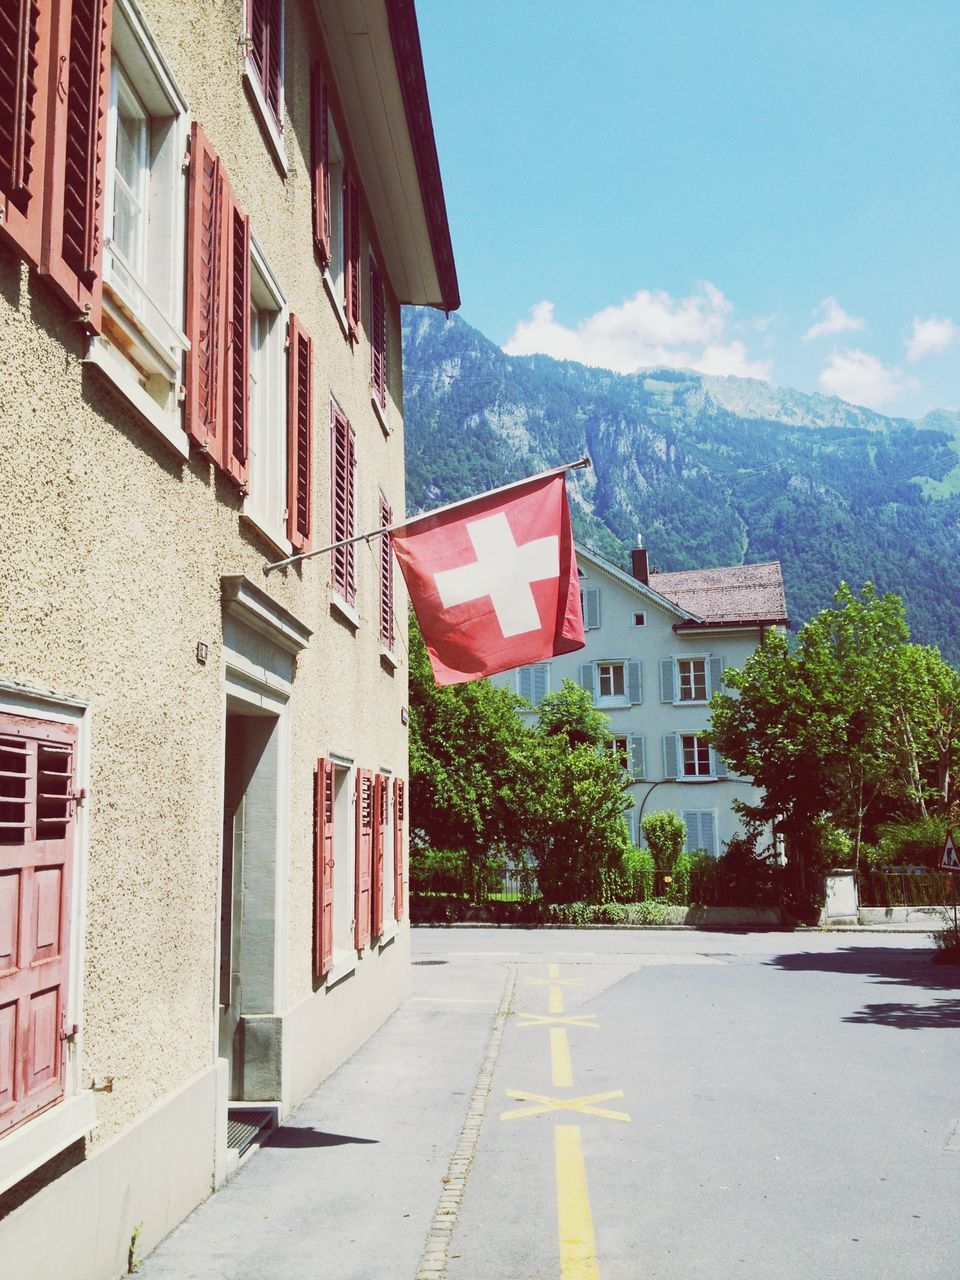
631	1105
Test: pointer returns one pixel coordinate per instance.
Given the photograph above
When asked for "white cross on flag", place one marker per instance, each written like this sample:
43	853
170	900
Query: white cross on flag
493	581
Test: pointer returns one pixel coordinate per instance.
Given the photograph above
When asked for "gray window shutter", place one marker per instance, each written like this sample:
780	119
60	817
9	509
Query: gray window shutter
666	680
716	676
708	832
631	817
525	683
670	755
638	757
691	820
718	764
586	677
541	682
634	683
591	609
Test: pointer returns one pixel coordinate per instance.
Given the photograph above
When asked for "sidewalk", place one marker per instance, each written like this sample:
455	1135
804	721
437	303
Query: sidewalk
347	1189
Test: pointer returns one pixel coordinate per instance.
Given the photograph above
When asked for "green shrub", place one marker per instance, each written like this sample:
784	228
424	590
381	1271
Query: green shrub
917	843
666	834
639	872
947	943
834	846
653	911
610	913
677	892
579	913
614	884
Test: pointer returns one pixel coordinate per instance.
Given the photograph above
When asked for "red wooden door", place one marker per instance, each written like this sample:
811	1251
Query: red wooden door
398	815
364	857
37	762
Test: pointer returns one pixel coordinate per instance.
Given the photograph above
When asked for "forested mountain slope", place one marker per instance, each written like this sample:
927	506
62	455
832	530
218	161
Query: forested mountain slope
711	471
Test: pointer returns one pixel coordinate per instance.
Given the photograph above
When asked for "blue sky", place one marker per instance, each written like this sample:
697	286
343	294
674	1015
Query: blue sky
770	188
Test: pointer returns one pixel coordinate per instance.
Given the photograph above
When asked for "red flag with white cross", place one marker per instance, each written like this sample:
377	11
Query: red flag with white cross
493	581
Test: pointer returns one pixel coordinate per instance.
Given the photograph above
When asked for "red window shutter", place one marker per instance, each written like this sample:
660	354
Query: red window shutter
378	335
205	295
320	160
236	243
386	578
379	849
365	822
342	523
37	764
323	868
72	255
299	434
265	29
24	90
351	218
398	818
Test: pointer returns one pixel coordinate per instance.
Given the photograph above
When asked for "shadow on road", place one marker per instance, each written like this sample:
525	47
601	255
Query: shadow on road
896	966
889	966
290	1136
910	1017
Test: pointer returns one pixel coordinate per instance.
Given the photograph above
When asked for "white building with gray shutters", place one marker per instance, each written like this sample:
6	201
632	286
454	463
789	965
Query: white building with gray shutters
657	645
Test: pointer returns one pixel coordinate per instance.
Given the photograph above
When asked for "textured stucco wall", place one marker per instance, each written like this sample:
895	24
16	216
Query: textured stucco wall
112	553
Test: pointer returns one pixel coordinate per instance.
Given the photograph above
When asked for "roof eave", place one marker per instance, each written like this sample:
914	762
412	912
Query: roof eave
641	588
745	624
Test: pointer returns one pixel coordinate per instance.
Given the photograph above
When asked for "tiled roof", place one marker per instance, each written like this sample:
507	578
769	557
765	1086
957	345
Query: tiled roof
742	593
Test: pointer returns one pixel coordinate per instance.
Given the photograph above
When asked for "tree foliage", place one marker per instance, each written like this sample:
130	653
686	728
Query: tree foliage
855	724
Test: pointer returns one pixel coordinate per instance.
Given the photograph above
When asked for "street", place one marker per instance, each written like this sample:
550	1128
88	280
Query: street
631	1105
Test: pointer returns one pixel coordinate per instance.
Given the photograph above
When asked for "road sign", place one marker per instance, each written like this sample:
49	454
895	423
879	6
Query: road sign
951	857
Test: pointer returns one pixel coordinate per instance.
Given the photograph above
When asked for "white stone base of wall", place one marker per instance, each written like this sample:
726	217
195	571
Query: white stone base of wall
154	1173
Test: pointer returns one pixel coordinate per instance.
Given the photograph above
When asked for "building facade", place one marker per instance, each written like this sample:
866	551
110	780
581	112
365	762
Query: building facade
210	214
657	645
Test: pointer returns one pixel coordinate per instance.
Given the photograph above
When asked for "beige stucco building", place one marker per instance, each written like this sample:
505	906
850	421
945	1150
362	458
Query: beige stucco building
211	213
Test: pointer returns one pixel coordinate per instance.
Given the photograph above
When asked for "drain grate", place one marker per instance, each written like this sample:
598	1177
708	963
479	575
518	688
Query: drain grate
431	961
244	1126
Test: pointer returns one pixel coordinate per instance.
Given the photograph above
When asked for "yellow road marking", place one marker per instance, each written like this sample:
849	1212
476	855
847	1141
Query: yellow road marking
554	982
543	1104
578	1247
553	970
571	1020
555	1004
561	1068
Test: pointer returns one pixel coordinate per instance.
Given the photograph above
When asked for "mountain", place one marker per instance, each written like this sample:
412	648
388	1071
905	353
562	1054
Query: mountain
709	470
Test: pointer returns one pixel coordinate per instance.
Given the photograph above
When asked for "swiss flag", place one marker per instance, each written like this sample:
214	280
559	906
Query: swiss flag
494	581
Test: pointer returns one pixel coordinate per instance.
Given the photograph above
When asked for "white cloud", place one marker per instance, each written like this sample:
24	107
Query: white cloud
861	378
835	320
651	328
930	337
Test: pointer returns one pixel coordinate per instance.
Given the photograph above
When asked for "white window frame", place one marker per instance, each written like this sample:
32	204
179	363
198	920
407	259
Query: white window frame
613	666
335	272
690	659
642	619
268	407
344	869
142	346
51	1131
699	746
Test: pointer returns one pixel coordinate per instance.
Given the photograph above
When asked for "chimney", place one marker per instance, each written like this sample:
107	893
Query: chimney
639	562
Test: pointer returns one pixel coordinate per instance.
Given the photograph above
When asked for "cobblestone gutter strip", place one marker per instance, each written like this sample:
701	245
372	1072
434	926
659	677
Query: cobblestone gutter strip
433	1261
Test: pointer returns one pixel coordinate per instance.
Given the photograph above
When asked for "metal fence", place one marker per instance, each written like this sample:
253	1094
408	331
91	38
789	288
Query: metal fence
905	887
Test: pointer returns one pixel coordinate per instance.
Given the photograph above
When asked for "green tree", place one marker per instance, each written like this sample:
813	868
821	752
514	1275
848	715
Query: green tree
472	767
926	726
666	834
815	729
569	713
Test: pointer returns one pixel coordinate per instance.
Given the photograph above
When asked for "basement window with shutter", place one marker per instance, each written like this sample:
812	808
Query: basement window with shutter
264	68
142	344
265	504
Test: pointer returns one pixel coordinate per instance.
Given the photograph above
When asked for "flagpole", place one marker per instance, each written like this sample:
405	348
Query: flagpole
424	515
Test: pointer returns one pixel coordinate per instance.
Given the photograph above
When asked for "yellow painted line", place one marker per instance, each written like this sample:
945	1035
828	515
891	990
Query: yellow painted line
554	982
556	1000
578	1246
553	970
561	1068
542	1104
571	1020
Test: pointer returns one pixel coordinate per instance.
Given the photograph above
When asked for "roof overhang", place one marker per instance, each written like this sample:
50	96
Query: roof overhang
377	64
734	624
